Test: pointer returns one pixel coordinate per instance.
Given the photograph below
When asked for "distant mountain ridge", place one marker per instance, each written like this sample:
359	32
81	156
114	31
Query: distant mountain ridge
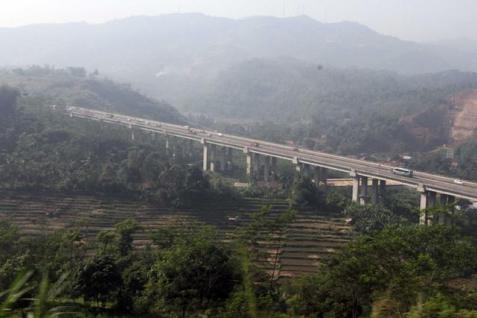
165	55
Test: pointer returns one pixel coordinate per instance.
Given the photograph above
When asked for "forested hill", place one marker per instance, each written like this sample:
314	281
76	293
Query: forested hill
166	55
74	86
46	151
291	90
344	110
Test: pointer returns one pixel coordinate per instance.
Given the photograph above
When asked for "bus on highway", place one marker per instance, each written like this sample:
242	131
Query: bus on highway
403	172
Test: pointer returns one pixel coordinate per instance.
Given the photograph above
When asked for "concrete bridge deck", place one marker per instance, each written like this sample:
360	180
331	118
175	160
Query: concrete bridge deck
360	170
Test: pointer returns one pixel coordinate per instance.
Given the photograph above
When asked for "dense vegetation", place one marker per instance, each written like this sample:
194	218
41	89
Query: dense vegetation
398	270
42	150
393	268
341	110
75	86
463	165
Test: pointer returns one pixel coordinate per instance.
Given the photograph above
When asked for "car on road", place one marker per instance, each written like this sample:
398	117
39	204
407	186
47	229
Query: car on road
220	134
403	172
254	144
458	181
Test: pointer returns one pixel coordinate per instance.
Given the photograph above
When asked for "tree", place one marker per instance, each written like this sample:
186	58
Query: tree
196	187
99	280
195	274
305	193
125	231
403	265
369	219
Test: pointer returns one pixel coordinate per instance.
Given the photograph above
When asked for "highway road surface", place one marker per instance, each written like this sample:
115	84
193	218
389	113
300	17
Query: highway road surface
420	180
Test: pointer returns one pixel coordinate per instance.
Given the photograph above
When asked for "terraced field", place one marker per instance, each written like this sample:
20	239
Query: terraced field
308	240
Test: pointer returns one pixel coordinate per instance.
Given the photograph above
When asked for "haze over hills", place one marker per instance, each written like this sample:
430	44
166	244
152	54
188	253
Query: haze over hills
165	55
73	86
353	88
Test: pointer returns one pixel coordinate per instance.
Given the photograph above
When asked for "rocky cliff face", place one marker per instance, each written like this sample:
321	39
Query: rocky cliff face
464	123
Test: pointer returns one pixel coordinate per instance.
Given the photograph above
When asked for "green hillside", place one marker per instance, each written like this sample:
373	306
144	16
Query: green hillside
75	86
350	111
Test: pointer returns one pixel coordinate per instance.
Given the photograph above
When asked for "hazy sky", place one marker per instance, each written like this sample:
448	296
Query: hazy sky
422	20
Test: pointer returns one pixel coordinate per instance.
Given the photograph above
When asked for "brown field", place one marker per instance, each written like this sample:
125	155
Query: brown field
309	239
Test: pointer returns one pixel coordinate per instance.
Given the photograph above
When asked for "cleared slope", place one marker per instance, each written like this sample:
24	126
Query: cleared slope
465	118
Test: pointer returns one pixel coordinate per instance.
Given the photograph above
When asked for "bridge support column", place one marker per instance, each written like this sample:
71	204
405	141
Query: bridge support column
266	169
256	160
382	190
428	200
363	196
320	176
298	166
190	149
431	202
451	204
248	163
221	159
273	168
423	208
355	195
443	202
213	157
375	191
228	159
323	176
205	156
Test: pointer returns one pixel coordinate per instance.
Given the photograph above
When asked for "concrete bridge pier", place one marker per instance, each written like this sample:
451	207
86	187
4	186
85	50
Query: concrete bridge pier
298	166
273	168
248	163
427	200
228	159
360	192
320	176
167	144
377	191
374	191
355	191
266	169
189	147
382	190
256	166
363	196
423	207
220	159
307	170
205	155
213	158
445	201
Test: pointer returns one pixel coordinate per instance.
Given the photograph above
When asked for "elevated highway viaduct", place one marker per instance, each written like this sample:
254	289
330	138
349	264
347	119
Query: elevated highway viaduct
368	178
